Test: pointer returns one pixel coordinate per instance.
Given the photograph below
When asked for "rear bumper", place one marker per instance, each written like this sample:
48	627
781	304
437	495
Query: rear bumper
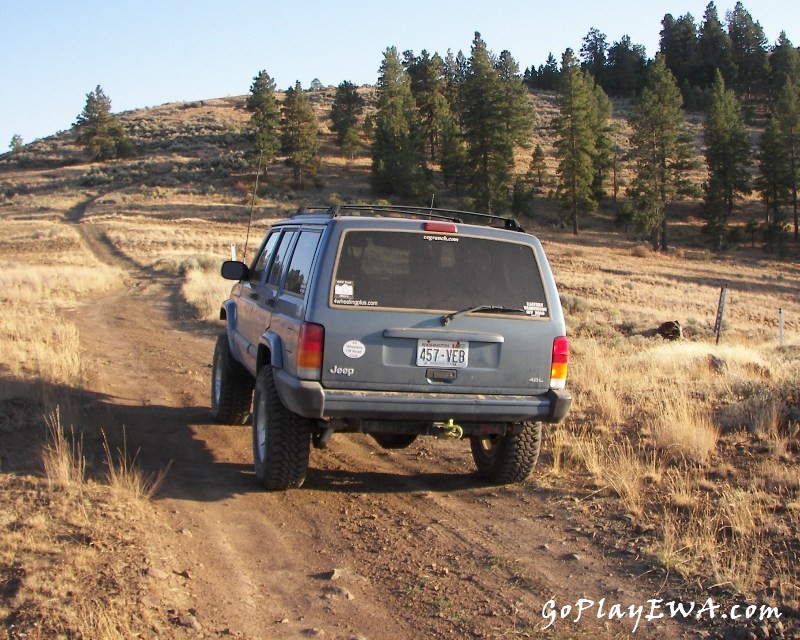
311	400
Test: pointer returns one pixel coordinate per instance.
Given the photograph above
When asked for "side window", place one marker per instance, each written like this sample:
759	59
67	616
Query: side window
281	255
300	266
263	258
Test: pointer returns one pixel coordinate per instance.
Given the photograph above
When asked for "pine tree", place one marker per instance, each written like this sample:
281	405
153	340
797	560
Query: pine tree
496	117
787	111
627	65
347	108
678	45
594	55
265	118
576	138
429	87
749	53
661	152
548	74
773	171
17	143
99	131
454	164
538	167
398	164
299	135
604	152
713	50
728	160
784	63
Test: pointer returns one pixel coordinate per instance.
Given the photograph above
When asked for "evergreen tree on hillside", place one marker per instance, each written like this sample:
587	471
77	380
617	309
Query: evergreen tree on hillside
299	135
265	118
576	139
604	144
661	152
627	67
773	181
538	167
548	74
454	163
594	55
17	143
99	131
749	53
429	87
398	164
496	117
713	50
787	111
678	45
727	158
784	64
347	108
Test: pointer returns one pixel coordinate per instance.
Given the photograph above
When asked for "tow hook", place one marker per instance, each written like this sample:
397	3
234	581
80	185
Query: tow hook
450	430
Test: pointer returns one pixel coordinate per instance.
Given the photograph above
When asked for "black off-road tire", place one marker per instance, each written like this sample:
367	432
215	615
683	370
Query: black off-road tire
510	458
394	440
281	439
231	386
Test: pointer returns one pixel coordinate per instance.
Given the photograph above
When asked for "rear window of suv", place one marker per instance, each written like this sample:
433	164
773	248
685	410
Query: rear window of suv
411	270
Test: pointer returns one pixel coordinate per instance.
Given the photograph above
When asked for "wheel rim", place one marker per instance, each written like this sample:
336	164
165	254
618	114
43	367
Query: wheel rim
260	424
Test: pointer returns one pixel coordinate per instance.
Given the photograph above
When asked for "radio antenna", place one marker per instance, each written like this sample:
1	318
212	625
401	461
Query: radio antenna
252	206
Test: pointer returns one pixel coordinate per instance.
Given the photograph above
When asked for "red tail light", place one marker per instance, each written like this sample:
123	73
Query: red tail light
440	227
310	347
558	368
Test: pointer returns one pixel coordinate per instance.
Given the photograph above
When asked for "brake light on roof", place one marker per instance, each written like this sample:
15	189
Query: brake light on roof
440	227
558	368
310	347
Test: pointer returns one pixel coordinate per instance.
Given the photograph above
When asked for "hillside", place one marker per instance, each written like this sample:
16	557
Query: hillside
674	478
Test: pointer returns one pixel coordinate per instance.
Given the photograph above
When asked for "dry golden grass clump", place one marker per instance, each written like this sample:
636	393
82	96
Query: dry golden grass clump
50	272
70	555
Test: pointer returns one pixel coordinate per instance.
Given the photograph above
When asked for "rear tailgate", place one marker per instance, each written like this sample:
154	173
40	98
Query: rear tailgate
400	313
411	353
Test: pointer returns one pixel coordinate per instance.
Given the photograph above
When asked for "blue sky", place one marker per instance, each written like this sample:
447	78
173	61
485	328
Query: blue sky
150	52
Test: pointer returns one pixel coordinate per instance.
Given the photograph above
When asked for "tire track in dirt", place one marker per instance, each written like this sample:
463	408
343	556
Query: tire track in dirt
423	550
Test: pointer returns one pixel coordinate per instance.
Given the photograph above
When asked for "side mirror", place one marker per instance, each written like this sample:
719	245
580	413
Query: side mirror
234	270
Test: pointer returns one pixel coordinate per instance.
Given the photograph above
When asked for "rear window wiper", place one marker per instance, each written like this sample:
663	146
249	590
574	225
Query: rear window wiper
484	307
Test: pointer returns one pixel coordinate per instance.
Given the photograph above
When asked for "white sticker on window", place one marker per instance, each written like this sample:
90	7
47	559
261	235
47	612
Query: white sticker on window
536	309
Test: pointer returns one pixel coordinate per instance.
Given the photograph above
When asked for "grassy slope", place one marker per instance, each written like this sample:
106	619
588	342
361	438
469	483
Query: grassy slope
694	441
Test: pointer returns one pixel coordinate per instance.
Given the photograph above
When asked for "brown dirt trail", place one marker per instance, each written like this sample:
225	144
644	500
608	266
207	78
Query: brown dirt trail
402	544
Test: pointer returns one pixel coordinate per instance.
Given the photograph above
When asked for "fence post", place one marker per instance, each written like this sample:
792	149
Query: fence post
720	310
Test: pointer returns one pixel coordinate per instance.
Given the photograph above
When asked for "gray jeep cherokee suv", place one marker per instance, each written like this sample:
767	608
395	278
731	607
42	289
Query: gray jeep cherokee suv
397	322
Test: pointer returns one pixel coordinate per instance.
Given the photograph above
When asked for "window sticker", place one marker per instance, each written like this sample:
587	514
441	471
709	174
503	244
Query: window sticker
536	309
344	292
343	289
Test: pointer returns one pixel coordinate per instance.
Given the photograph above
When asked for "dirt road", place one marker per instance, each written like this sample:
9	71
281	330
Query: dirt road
377	544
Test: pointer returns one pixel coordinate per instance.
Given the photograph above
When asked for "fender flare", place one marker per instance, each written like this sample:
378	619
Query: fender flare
269	351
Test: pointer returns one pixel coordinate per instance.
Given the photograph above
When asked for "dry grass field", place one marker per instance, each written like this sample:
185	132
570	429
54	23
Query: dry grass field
683	454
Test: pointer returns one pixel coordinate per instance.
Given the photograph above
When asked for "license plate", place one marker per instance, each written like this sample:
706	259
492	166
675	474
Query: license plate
439	353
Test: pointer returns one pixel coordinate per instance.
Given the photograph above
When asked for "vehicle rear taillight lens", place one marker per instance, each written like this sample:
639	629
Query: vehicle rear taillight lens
558	368
310	347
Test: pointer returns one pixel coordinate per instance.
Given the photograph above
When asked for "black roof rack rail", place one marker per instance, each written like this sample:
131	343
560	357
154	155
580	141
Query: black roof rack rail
426	213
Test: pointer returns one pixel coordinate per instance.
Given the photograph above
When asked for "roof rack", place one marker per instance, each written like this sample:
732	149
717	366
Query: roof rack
425	213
